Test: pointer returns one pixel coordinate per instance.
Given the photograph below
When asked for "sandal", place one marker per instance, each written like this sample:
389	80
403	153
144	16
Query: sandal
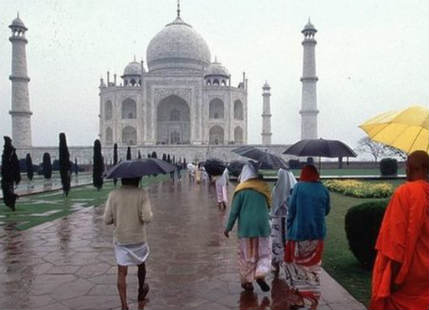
247	286
263	285
143	292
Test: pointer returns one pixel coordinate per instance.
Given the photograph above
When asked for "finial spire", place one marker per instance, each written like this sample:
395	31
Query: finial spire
17	14
134	57
178	8
309	21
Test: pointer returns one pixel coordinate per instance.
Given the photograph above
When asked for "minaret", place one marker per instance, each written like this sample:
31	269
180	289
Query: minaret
20	111
309	79
266	115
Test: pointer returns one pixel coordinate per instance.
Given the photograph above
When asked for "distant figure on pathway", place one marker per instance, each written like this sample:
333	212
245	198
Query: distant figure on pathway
129	235
306	229
198	172
400	278
281	191
250	205
179	171
191	172
221	189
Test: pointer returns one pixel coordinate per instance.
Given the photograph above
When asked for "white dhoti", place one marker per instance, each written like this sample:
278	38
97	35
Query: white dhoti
131	254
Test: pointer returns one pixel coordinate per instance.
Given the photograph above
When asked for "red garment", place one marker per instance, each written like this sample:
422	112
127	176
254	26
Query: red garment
403	238
309	173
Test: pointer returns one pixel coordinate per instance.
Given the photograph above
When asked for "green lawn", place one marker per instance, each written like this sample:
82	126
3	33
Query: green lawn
37	209
338	260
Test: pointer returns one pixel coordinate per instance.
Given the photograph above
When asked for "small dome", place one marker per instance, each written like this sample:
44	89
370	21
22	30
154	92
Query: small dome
133	68
217	68
266	85
309	27
18	23
178	46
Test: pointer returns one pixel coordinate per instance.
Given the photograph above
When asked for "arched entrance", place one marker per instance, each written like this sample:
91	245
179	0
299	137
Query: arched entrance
173	121
216	135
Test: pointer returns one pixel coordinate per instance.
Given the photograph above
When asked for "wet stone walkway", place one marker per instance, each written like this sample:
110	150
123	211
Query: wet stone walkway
69	263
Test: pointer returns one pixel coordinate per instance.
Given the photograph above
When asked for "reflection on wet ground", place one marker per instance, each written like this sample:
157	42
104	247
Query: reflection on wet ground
69	263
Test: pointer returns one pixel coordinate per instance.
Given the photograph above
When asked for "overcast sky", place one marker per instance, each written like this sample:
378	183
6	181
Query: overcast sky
371	56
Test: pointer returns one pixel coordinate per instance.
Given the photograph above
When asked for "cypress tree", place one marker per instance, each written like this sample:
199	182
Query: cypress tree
64	164
139	155
47	166
76	167
9	164
128	153
98	166
168	158
154	155
29	167
148	155
115	160
164	157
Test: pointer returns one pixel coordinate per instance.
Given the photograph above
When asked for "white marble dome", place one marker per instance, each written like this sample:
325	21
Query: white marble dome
133	68
217	69
178	46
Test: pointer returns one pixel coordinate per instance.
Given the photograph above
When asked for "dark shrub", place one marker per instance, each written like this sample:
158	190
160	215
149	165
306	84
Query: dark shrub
389	166
294	164
115	160
29	167
98	166
65	164
47	166
362	223
10	174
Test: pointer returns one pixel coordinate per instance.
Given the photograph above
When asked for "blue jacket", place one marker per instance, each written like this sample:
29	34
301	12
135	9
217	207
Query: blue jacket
308	207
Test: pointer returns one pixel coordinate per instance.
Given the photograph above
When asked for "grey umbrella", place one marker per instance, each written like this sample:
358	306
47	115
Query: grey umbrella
265	159
139	168
321	148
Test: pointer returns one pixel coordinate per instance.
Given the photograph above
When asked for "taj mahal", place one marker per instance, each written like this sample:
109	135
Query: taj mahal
181	100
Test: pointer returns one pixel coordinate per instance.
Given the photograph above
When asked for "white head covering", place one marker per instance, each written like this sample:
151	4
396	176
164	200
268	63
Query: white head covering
285	182
247	172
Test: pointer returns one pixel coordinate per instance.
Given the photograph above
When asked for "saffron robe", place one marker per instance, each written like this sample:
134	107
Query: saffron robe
403	238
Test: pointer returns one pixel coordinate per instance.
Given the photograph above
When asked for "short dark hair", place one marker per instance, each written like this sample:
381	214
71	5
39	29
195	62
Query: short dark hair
131	181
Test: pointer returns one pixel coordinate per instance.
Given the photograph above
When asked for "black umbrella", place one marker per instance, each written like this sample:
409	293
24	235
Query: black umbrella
139	168
265	159
214	166
321	148
236	166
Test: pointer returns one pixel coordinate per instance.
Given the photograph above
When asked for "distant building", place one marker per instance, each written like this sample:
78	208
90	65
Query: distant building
266	114
309	79
183	97
20	107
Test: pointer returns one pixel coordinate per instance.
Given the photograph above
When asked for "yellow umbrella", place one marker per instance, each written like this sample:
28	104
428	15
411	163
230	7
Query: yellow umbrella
407	130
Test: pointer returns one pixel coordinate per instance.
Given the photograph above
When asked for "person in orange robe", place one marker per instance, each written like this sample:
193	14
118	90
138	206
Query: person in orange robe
400	278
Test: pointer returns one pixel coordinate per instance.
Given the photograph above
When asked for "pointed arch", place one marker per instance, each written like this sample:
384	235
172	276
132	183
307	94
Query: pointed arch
216	135
216	109
238	110
129	109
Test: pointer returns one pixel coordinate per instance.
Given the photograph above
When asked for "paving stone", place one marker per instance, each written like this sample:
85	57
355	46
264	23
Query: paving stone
69	263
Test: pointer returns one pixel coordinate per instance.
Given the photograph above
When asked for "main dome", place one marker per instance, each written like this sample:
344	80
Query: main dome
178	46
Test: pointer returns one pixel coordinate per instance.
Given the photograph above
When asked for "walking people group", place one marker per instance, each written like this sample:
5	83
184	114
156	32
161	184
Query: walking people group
286	228
297	230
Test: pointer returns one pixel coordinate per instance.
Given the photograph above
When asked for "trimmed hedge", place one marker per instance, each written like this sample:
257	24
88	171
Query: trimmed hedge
362	224
389	166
